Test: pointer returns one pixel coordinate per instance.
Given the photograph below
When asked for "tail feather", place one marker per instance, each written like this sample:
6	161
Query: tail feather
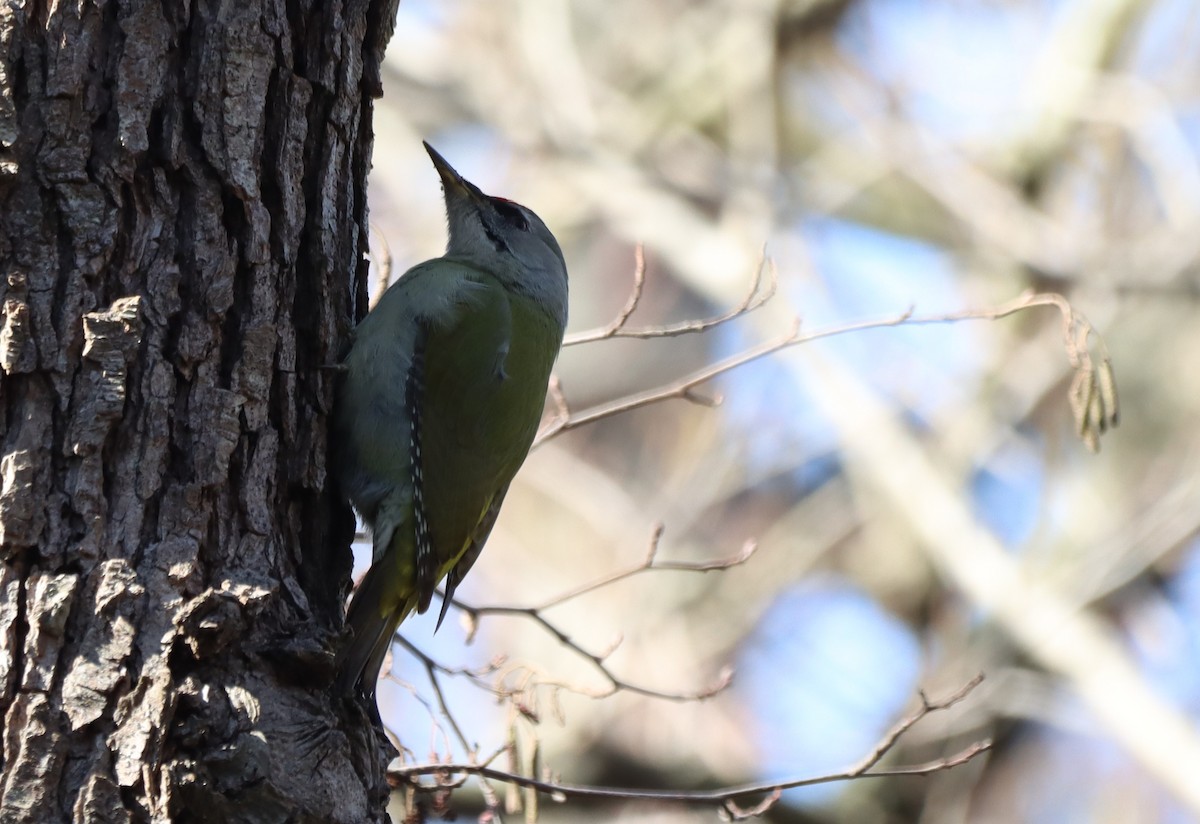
374	625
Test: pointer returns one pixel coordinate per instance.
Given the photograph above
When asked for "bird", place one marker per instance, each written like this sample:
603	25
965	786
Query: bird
439	399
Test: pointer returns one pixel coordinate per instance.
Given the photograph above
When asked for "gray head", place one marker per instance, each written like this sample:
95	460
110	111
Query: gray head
503	238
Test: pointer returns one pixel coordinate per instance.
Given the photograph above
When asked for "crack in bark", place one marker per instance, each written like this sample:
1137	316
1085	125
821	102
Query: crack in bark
182	197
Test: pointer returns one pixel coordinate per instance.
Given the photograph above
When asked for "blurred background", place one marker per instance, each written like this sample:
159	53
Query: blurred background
922	507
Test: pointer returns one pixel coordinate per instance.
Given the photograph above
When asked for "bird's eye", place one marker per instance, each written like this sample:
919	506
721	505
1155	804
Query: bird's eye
511	213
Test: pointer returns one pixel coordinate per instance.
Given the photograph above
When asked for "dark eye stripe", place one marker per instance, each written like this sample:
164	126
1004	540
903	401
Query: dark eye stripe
496	240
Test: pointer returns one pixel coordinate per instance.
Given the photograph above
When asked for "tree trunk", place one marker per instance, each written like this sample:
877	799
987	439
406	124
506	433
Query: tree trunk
182	215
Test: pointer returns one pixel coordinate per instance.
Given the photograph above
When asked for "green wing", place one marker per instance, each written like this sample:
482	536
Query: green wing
471	428
474	361
459	571
486	382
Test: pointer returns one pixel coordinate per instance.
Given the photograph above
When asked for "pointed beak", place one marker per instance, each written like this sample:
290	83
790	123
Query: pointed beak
453	184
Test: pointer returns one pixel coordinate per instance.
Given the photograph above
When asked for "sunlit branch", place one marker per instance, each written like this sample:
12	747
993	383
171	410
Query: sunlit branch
907	722
726	799
1093	395
631	304
597	660
755	297
649	563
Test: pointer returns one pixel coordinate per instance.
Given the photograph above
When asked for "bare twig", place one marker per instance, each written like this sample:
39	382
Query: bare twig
907	722
721	798
597	660
631	304
676	389
651	564
1093	393
755	297
523	698
725	799
648	564
432	668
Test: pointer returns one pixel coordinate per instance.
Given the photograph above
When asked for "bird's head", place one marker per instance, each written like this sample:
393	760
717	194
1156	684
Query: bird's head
503	238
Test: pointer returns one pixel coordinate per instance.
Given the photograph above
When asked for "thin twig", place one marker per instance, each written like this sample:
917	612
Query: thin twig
755	297
906	723
1093	394
631	304
676	389
597	660
560	792
432	668
725	798
649	563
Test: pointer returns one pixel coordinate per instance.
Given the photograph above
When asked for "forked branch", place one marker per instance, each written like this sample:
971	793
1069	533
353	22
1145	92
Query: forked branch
1093	395
756	296
598	660
730	801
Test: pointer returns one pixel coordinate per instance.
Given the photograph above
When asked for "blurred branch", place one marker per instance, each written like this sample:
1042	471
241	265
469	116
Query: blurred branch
727	799
1166	523
1076	643
1083	43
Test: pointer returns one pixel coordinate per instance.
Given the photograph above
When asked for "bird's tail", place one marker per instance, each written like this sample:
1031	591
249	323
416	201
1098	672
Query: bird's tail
374	614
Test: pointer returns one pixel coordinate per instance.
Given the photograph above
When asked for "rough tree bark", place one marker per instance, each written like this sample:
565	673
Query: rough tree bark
182	214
